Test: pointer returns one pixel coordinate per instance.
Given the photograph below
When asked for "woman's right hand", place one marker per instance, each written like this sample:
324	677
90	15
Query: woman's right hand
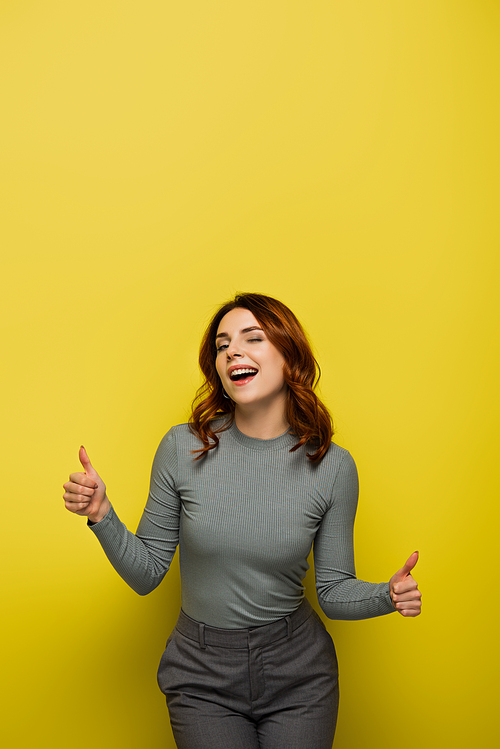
85	492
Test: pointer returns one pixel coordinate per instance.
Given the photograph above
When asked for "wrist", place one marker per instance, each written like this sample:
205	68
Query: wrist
391	595
101	512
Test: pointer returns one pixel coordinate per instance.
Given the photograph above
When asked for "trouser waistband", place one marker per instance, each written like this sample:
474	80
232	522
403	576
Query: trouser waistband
244	638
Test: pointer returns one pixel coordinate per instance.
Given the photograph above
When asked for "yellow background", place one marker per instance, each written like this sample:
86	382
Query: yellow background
156	157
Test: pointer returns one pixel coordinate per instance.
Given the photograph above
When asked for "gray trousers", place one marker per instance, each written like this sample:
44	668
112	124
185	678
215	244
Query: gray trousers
269	687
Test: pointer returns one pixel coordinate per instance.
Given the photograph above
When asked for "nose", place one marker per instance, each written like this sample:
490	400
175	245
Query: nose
232	351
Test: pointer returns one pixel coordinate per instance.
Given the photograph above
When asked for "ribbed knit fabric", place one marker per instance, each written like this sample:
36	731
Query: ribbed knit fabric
245	517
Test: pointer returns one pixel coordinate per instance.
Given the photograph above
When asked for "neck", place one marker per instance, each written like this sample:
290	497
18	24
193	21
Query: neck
261	424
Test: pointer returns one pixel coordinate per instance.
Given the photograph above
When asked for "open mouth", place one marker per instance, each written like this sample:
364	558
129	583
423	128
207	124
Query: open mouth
244	373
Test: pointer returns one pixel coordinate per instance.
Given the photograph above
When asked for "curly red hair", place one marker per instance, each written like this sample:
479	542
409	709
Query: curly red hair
309	419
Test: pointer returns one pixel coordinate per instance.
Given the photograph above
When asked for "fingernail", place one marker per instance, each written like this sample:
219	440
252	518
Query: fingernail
95	486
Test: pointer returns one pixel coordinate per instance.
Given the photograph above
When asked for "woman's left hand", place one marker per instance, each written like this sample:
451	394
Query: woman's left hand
405	595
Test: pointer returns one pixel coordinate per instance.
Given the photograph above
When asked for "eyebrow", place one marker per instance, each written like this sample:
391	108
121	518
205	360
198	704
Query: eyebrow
244	330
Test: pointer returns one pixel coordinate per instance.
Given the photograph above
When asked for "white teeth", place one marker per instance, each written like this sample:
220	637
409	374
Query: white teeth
243	371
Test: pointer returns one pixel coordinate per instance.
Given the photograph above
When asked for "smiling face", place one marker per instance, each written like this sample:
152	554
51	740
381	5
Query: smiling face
249	365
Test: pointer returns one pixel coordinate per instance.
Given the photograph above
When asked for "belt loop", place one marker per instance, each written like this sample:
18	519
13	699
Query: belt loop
288	627
201	635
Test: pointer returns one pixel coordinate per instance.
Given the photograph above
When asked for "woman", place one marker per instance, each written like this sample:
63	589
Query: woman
245	489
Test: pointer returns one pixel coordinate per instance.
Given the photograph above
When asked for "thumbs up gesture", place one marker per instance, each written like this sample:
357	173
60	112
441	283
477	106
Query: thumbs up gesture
405	595
85	492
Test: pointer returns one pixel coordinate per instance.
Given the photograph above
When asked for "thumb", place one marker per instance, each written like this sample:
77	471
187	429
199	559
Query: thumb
408	566
85	461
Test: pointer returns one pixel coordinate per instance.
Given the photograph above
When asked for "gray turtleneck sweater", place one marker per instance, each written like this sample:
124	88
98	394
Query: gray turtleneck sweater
245	518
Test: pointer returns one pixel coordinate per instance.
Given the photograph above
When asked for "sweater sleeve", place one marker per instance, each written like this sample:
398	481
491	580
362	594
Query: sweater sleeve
143	559
340	594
